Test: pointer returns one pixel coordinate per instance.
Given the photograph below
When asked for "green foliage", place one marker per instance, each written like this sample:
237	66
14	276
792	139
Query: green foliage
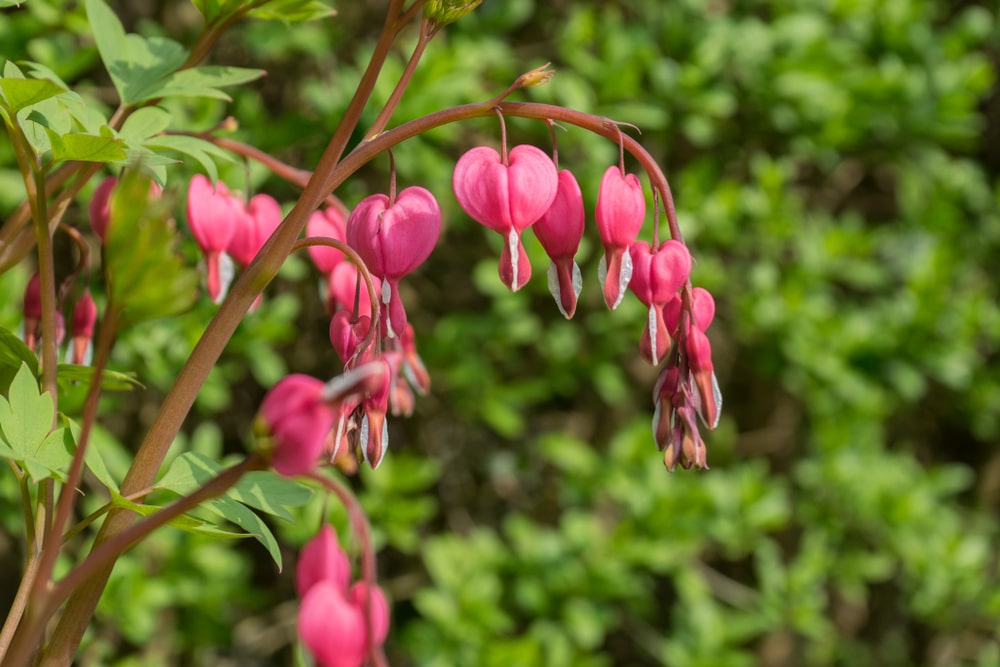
26	429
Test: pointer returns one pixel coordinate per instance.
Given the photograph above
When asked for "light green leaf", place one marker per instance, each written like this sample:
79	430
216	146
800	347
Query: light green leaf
199	149
184	522
11	3
268	492
21	93
87	147
26	428
13	352
292	11
201	82
248	521
144	123
110	380
211	9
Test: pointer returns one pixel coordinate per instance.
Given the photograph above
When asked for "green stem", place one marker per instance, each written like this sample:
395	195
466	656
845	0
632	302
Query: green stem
10	626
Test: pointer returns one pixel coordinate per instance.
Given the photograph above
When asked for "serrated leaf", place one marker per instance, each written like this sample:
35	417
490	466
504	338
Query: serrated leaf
86	147
26	419
22	93
13	352
292	11
110	380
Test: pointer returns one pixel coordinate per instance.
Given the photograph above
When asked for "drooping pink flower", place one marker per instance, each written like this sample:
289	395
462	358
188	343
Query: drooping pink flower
332	627
82	329
254	226
298	420
413	365
346	333
100	206
702	309
32	309
322	559
699	354
379	619
621	209
327	223
508	197
343	286
656	278
213	216
374	436
394	238
559	231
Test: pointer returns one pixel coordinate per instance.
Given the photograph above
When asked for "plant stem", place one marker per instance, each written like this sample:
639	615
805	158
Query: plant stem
427	32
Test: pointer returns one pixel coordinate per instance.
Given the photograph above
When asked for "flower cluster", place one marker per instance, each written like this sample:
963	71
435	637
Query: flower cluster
339	622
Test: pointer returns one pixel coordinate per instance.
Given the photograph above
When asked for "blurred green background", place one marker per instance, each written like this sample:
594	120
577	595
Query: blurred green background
835	167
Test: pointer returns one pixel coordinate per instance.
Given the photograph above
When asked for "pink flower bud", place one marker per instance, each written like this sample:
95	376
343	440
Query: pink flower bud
379	619
507	198
699	353
32	308
328	223
256	224
393	239
656	277
374	436
346	333
82	330
621	209
213	215
559	231
100	206
332	627
299	421
322	559
343	285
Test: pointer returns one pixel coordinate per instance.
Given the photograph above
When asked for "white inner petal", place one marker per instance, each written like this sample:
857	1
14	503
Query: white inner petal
602	269
386	298
363	438
512	245
652	335
717	393
624	278
227	269
553	281
577	280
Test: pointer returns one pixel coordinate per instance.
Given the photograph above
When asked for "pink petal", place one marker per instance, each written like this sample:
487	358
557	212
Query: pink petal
621	208
212	214
322	559
560	228
331	224
332	627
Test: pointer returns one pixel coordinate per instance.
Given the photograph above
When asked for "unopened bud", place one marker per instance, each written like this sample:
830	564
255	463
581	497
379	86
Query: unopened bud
536	77
443	12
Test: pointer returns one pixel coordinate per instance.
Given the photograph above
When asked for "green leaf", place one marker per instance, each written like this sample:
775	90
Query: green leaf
26	430
292	11
21	93
199	149
268	492
201	82
146	277
110	380
87	147
13	352
144	123
185	522
245	518
11	3
211	9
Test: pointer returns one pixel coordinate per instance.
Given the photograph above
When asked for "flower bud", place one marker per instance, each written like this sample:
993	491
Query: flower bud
621	209
322	559
82	329
443	12
332	627
298	420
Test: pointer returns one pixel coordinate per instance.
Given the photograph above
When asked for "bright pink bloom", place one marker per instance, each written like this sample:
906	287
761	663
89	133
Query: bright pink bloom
621	209
82	329
379	619
413	365
559	231
699	354
702	308
508	198
374	436
656	278
213	215
322	559
346	333
332	627
256	224
327	223
394	238
299	422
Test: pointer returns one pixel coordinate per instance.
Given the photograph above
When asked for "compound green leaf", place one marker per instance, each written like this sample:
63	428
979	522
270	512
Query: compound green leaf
21	93
87	147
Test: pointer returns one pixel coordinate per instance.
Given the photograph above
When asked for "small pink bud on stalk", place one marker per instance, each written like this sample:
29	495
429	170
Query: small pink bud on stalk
508	196
82	329
322	559
213	217
621	209
394	238
332	626
559	231
699	353
32	310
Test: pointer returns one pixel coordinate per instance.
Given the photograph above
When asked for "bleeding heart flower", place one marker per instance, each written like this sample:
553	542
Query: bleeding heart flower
322	559
379	609
508	197
332	627
258	221
393	238
82	328
327	223
559	231
343	286
298	420
699	354
621	209
212	216
346	333
373	434
656	278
